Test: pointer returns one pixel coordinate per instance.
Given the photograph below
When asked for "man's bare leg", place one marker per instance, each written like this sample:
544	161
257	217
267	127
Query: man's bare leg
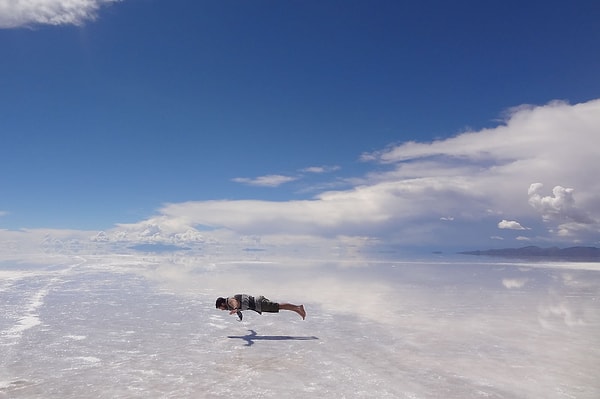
294	308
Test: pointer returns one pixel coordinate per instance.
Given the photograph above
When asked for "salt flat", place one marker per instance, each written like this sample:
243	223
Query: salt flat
126	327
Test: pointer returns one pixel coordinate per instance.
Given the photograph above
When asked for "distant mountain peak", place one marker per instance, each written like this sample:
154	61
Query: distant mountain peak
579	254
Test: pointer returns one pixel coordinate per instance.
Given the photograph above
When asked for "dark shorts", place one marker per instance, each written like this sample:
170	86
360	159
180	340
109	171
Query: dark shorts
267	306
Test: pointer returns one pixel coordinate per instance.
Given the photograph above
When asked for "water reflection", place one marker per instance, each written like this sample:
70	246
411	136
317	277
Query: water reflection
432	329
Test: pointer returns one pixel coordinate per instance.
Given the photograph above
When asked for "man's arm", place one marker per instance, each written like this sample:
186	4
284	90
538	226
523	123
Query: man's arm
234	305
236	308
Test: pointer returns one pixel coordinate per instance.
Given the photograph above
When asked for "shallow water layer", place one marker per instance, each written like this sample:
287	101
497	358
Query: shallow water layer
127	328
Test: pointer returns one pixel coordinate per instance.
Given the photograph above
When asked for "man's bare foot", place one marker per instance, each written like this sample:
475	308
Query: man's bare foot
302	312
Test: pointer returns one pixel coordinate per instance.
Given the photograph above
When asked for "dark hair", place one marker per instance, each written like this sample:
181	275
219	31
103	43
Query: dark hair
220	302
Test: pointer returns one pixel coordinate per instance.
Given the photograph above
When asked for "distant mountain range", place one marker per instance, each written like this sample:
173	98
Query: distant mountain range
576	254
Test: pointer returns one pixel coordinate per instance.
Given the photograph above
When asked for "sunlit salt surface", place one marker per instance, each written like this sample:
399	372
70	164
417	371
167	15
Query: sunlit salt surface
126	327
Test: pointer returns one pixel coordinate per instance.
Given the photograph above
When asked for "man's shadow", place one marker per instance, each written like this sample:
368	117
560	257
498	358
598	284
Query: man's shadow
250	338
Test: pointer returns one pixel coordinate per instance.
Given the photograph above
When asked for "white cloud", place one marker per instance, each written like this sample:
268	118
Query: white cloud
100	237
320	169
491	169
276	180
265	181
559	206
560	211
525	132
51	12
3	213
510	225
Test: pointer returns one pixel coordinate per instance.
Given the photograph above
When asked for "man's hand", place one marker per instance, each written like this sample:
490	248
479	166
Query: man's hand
239	313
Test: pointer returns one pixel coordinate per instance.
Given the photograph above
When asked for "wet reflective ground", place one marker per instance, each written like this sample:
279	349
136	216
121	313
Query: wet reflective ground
125	328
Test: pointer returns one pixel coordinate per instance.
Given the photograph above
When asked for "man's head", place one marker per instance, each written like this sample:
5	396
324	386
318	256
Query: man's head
221	303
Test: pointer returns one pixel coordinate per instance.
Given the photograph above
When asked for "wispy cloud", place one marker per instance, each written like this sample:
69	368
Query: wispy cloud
320	169
276	180
265	181
19	13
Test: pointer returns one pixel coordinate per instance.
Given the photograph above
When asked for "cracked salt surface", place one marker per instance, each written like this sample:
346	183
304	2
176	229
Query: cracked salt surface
108	329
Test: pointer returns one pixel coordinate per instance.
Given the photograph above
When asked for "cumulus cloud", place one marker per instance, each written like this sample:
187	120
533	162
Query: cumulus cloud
561	212
19	13
559	206
100	237
265	181
510	225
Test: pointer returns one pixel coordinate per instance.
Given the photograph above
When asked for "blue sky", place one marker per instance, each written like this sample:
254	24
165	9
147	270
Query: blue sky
330	124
